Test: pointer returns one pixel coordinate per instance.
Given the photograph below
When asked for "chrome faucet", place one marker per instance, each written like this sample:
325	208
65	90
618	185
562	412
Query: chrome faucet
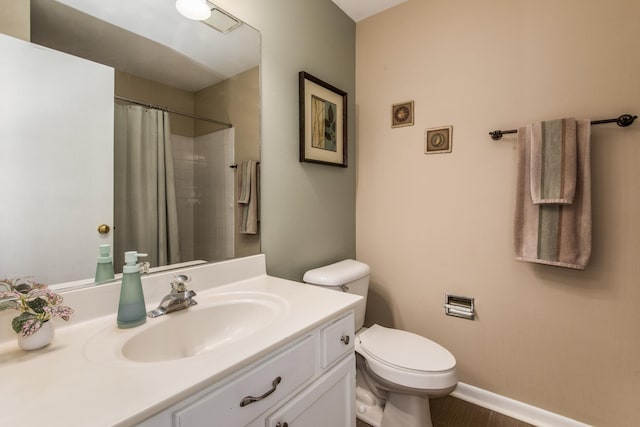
179	298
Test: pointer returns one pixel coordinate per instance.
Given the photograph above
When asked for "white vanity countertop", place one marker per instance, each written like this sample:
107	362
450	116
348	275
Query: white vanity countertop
70	383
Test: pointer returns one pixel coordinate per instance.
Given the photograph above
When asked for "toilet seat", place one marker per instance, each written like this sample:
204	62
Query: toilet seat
406	359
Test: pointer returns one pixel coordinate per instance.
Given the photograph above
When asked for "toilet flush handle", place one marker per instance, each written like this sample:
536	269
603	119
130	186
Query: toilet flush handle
345	339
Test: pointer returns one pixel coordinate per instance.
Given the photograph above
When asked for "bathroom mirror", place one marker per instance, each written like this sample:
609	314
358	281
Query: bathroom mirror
207	77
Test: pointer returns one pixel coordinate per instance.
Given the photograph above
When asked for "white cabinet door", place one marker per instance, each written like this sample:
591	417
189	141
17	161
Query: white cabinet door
56	147
329	401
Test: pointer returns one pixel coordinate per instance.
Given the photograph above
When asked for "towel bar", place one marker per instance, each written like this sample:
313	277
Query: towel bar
235	166
622	121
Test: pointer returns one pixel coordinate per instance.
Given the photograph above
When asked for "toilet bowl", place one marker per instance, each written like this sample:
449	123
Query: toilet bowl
397	371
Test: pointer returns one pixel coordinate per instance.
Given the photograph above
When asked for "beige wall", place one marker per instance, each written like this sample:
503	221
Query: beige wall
15	18
152	92
563	340
237	101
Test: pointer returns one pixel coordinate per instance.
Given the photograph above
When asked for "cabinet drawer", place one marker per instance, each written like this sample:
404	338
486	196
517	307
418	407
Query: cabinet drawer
329	402
294	366
337	339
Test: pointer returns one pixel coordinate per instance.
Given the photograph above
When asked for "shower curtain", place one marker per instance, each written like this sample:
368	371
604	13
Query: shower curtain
145	216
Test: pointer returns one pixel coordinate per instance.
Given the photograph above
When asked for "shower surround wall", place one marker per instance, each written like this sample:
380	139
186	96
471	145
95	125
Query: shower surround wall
184	160
235	100
562	340
214	180
205	193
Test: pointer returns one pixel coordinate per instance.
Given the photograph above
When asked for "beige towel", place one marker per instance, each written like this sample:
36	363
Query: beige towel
553	161
249	197
554	234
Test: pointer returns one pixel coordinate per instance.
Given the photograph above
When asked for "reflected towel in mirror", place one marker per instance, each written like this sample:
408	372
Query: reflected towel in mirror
248	198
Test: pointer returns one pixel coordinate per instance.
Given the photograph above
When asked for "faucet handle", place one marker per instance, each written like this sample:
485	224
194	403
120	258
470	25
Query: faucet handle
144	267
179	282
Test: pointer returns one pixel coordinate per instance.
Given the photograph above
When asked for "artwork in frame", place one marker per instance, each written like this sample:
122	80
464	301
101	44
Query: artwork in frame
323	122
438	140
402	114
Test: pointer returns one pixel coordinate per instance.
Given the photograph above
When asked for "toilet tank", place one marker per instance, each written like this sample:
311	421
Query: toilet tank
347	276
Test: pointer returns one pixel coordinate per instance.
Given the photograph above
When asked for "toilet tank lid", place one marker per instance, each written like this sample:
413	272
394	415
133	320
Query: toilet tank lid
337	274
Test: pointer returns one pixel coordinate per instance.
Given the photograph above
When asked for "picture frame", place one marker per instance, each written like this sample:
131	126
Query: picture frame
438	140
323	122
402	114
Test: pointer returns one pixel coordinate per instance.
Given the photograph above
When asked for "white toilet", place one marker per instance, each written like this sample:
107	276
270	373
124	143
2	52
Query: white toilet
397	370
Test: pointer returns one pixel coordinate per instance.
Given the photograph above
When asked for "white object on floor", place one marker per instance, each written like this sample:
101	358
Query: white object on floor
368	407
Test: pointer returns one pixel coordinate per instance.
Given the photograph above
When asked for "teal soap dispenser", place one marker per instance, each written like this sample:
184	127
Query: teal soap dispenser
104	268
131	309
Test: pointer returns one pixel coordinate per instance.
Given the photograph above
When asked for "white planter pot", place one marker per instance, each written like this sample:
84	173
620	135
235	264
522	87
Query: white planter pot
39	339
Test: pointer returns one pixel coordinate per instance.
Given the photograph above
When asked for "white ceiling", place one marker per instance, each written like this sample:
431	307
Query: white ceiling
147	38
361	9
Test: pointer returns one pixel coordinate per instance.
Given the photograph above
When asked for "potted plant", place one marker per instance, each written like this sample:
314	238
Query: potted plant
37	305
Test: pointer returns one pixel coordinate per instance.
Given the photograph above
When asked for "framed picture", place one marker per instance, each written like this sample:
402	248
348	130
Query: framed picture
402	114
323	122
438	140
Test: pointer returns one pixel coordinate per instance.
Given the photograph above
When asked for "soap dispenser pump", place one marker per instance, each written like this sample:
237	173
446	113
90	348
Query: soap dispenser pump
104	268
131	309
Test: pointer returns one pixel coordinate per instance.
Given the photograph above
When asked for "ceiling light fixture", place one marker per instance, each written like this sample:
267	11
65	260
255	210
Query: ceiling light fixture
194	9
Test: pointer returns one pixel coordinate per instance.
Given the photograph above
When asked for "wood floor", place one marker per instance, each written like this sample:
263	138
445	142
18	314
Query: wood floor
451	412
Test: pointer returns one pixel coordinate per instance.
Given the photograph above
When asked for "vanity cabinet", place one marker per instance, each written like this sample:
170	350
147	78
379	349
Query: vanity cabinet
309	382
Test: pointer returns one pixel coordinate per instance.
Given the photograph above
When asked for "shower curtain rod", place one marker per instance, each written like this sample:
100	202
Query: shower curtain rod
622	121
159	107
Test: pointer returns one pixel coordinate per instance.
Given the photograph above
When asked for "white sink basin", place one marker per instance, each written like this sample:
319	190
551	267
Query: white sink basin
218	320
192	332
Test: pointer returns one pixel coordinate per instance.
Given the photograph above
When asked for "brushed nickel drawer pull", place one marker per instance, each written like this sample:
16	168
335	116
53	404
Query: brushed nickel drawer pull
250	399
345	339
284	424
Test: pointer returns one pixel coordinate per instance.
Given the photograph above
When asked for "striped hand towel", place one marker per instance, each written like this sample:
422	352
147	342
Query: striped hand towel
553	161
554	234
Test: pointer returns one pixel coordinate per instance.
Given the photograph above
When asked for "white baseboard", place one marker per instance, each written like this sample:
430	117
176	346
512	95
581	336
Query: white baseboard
513	408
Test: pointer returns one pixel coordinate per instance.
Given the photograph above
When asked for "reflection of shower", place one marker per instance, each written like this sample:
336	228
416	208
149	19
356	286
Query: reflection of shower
194	175
205	193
